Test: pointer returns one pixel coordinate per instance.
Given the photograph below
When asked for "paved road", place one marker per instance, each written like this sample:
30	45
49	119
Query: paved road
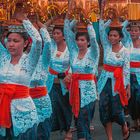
99	133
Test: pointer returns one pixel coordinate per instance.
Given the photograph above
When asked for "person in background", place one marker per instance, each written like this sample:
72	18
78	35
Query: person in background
133	43
58	69
38	89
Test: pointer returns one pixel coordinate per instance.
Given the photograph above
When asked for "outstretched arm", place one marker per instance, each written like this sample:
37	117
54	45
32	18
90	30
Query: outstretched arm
46	54
126	40
36	42
103	35
94	47
70	38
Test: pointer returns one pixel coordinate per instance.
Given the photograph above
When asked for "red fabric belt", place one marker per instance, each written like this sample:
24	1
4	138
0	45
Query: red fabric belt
8	92
119	82
53	72
74	90
135	64
38	92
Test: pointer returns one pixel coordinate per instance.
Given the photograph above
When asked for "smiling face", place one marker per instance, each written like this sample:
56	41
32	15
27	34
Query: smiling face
135	32
114	37
15	44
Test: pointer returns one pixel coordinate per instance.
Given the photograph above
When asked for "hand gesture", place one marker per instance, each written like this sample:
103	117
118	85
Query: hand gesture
128	92
20	16
67	79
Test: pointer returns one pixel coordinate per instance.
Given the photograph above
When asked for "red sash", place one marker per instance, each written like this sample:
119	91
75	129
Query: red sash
53	72
8	92
38	92
119	82
135	64
74	90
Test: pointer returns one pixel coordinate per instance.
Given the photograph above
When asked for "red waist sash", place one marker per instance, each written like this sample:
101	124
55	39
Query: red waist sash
8	92
135	64
119	82
38	92
53	72
74	90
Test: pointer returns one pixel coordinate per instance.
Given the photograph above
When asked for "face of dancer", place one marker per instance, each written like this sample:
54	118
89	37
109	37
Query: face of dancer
114	37
15	44
135	32
58	35
82	42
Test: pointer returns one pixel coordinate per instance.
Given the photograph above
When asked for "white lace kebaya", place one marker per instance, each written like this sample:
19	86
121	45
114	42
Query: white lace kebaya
134	53
23	111
60	64
87	65
121	58
40	76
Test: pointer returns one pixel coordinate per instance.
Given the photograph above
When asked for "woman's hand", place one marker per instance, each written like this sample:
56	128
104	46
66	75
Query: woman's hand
67	79
38	22
128	91
20	16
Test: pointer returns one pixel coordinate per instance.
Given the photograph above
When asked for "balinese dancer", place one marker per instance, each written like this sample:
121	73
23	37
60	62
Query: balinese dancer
133	42
38	90
84	64
59	66
18	115
114	81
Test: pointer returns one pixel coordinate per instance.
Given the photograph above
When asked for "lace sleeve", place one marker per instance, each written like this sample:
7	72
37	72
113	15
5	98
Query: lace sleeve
3	52
94	47
70	39
126	68
73	24
103	35
46	55
36	43
126	41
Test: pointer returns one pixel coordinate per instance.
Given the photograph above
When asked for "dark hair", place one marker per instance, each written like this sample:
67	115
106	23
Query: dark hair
134	26
119	30
58	28
23	34
85	34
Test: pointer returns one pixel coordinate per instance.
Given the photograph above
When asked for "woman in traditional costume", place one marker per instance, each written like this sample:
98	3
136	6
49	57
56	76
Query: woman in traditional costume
58	69
132	41
84	64
18	116
114	82
38	90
